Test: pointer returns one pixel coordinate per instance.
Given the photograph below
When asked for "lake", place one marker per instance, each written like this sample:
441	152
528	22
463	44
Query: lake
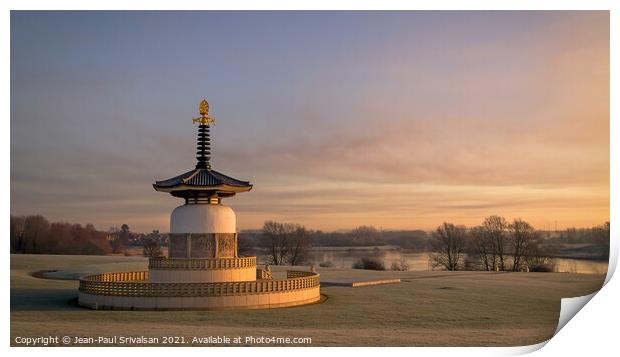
345	257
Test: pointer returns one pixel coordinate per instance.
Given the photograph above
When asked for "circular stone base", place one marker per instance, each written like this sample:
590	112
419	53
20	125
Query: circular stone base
257	301
134	291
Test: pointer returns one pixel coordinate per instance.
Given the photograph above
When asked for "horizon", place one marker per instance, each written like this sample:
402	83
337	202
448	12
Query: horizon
337	230
386	119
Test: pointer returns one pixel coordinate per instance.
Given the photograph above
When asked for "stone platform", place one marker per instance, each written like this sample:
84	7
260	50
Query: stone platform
134	291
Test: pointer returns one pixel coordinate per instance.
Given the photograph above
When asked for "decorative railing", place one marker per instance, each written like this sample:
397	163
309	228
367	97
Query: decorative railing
199	263
297	273
263	274
122	276
137	285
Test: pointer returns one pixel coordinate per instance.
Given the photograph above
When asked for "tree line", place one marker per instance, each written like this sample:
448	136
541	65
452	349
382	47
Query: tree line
495	245
369	236
598	235
34	234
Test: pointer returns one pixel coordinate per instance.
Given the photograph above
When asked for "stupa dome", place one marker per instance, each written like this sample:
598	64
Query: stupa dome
203	219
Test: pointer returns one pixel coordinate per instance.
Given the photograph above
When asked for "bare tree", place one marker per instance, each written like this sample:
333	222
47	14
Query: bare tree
151	248
495	228
448	246
124	235
120	238
288	243
601	237
365	235
538	257
17	233
114	238
299	244
34	234
275	236
62	234
521	236
482	248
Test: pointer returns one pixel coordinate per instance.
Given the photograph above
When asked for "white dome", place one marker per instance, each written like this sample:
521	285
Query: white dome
203	218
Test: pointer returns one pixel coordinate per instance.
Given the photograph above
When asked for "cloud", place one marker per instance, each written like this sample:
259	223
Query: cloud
451	118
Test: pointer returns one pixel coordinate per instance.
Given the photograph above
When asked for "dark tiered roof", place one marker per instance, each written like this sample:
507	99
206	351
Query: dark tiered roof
203	181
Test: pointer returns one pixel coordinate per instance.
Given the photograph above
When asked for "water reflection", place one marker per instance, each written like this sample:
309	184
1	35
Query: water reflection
345	257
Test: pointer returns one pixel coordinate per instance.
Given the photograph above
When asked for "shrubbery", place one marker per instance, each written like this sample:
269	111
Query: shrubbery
369	264
400	265
546	268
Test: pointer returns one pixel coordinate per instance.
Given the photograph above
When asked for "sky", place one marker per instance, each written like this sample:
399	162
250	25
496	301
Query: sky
400	120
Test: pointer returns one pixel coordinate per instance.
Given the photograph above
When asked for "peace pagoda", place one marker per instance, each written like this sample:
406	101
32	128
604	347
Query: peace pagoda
202	270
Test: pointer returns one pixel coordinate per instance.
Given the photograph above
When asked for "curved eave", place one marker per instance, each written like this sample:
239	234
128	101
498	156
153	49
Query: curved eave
217	188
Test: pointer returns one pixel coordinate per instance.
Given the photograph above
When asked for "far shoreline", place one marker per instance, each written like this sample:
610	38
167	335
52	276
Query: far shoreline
135	252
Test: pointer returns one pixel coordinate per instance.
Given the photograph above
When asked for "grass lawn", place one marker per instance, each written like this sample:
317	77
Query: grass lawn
425	309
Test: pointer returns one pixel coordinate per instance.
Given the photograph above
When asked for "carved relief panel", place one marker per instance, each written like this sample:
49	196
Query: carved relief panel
203	246
177	246
226	245
207	245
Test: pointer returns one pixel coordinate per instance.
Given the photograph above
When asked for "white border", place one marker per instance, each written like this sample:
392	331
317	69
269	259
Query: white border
589	332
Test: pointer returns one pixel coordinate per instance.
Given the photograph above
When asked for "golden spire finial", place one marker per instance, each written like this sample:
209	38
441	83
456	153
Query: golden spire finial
204	118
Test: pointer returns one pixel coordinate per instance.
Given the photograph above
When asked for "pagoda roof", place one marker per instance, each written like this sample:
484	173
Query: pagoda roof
203	180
